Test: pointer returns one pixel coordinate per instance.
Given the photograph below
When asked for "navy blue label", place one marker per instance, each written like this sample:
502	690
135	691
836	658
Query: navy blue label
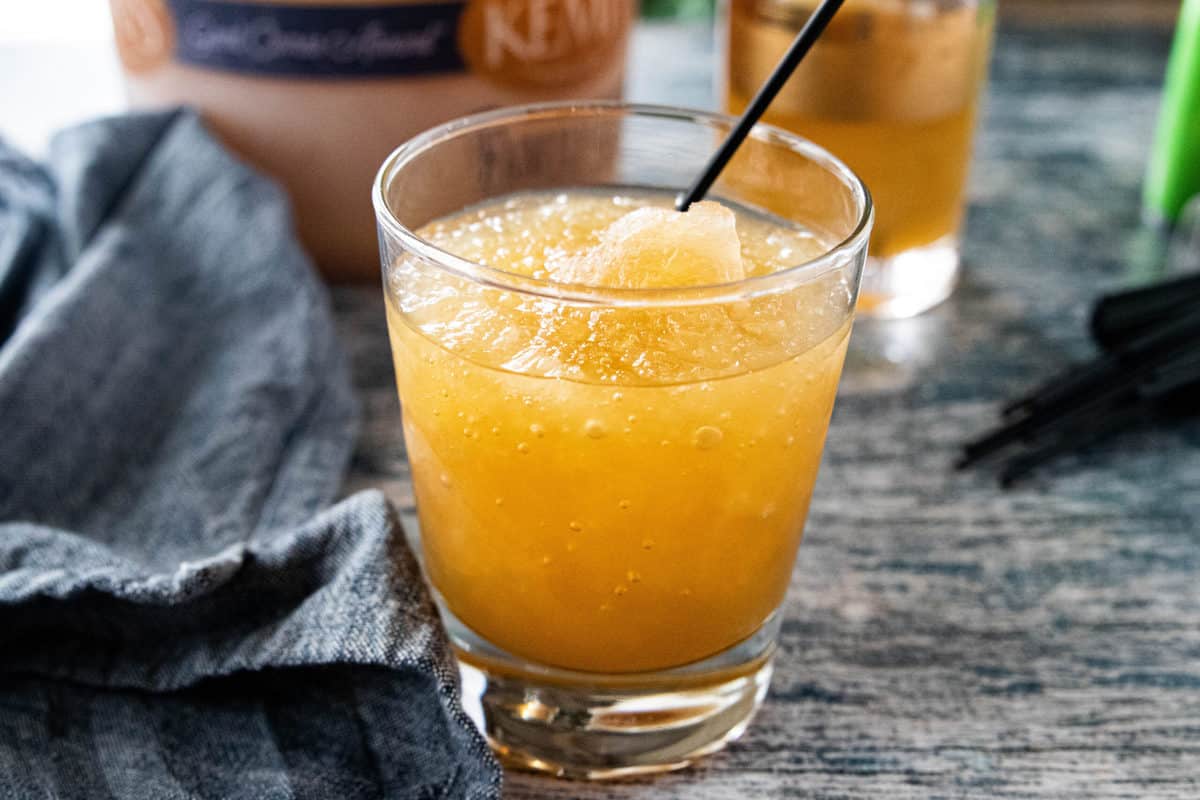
318	41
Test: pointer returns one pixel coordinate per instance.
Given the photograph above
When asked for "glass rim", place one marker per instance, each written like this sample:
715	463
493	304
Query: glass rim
495	278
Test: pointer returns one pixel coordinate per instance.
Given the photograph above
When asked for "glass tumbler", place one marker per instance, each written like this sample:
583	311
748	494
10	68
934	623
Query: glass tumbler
892	87
611	484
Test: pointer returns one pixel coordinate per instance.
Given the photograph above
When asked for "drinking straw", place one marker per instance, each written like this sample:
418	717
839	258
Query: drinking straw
1176	336
800	46
1118	318
1143	370
1084	431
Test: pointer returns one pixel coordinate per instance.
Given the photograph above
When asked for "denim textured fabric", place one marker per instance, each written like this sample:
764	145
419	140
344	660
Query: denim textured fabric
182	615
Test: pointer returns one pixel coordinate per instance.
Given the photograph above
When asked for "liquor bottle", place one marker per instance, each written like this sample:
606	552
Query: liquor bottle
318	92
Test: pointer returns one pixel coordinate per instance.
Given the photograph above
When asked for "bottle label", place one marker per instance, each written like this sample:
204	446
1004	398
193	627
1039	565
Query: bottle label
539	42
317	40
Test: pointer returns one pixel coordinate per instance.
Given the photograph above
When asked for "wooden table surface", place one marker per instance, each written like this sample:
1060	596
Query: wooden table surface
944	638
1091	13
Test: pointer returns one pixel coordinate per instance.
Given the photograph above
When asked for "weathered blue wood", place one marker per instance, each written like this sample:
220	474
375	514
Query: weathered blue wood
944	638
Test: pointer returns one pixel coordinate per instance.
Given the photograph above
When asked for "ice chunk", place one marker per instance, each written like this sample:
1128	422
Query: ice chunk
658	248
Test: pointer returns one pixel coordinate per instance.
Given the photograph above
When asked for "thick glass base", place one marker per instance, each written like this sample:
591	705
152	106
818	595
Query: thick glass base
594	726
908	283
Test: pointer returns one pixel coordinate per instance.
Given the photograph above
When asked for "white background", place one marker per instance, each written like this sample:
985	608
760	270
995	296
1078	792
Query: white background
57	66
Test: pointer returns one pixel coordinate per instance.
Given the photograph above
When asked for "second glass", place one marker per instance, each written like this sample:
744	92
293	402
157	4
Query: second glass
892	87
612	482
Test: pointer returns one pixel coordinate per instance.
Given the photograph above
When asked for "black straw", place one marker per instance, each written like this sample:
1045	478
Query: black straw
1086	430
804	41
1104	381
1118	318
1156	373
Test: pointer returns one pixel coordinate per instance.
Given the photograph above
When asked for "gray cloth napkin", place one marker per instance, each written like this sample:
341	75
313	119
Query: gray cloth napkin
179	617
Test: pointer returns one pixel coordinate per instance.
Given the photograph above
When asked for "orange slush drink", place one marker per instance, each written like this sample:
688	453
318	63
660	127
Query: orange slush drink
892	88
614	488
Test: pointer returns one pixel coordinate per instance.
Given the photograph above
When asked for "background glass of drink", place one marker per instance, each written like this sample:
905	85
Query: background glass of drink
892	88
612	483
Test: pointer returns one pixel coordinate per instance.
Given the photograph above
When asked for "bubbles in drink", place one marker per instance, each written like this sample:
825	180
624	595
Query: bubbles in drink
607	344
595	429
707	437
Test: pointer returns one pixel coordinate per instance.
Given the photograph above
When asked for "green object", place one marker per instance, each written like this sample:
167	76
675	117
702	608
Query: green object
1173	176
678	9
